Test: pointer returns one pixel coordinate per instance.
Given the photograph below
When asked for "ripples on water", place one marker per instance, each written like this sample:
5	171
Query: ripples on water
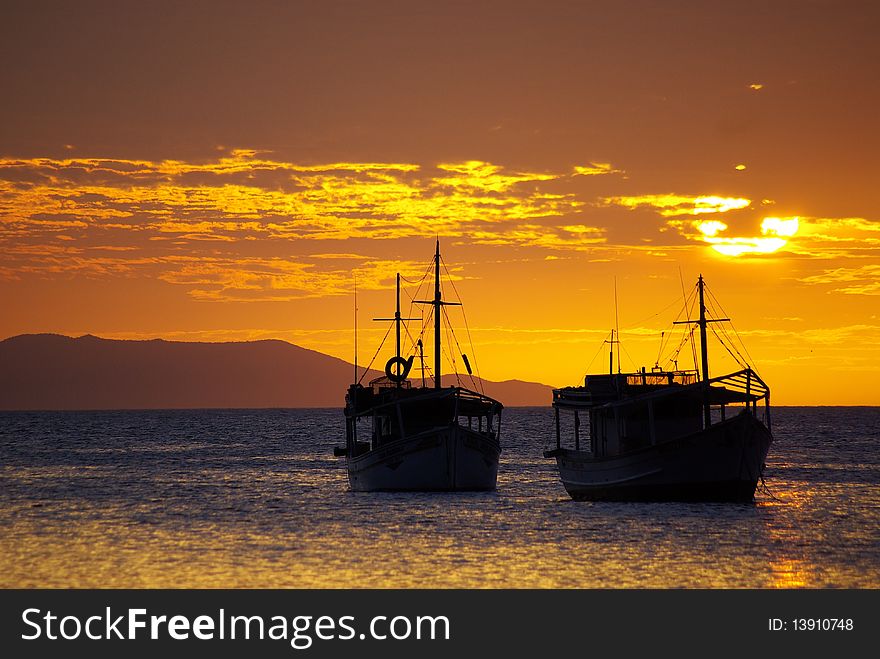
254	498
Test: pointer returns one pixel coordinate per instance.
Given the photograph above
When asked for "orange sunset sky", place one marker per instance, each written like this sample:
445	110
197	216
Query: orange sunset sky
218	171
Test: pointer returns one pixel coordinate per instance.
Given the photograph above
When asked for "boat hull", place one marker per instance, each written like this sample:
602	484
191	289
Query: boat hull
721	463
442	459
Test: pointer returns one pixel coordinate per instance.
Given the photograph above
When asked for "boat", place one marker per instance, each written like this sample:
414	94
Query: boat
420	438
664	435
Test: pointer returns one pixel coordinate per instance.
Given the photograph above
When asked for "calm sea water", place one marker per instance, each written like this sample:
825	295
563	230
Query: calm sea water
254	498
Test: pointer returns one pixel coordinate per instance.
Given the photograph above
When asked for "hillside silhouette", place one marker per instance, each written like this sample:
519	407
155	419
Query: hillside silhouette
55	372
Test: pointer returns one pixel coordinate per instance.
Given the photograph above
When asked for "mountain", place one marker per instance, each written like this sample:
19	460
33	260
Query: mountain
54	372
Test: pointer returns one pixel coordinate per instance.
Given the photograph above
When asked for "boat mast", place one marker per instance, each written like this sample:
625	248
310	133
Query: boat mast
703	322
437	305
355	328
397	320
704	350
704	357
611	353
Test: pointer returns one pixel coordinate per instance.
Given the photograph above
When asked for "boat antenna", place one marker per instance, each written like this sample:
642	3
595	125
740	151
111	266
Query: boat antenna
422	359
437	303
617	325
355	327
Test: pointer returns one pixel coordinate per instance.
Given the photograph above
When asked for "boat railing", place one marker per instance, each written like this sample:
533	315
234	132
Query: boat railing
745	381
382	383
744	388
659	378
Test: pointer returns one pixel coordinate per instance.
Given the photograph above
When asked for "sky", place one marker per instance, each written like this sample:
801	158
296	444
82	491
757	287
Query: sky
221	171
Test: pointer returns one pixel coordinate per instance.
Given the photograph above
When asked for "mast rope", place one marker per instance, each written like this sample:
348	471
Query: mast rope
726	347
449	331
467	330
387	332
601	345
751	360
687	332
664	309
447	347
631	360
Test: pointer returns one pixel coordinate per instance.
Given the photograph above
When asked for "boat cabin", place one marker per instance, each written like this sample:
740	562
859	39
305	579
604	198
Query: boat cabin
613	414
400	412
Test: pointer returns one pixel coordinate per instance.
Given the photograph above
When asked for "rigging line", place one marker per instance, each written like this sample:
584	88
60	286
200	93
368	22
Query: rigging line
426	323
457	345
387	332
420	284
416	296
688	336
724	338
684	307
673	353
447	348
686	297
666	337
466	327
664	309
411	339
601	346
632	361
663	339
694	345
413	281
741	342
726	347
731	344
424	275
673	356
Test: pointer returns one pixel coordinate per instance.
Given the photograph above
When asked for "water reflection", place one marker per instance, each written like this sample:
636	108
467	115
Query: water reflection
257	501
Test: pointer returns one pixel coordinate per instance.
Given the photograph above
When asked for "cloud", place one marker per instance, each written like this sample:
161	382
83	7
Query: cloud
674	205
282	280
479	176
244	194
201	224
596	169
864	280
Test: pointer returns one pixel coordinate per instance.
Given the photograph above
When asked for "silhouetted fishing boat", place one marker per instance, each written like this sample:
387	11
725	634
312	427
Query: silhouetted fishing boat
665	435
428	438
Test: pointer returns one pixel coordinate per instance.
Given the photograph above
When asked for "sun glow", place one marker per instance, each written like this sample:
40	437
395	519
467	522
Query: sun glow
775	232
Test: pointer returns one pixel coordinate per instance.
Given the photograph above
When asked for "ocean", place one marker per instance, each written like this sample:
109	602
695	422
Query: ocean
255	499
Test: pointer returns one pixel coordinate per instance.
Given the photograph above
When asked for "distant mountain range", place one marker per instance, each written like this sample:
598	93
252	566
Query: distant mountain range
54	372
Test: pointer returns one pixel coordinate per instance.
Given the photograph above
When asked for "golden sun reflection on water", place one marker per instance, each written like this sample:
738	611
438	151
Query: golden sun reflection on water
565	545
101	553
174	513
